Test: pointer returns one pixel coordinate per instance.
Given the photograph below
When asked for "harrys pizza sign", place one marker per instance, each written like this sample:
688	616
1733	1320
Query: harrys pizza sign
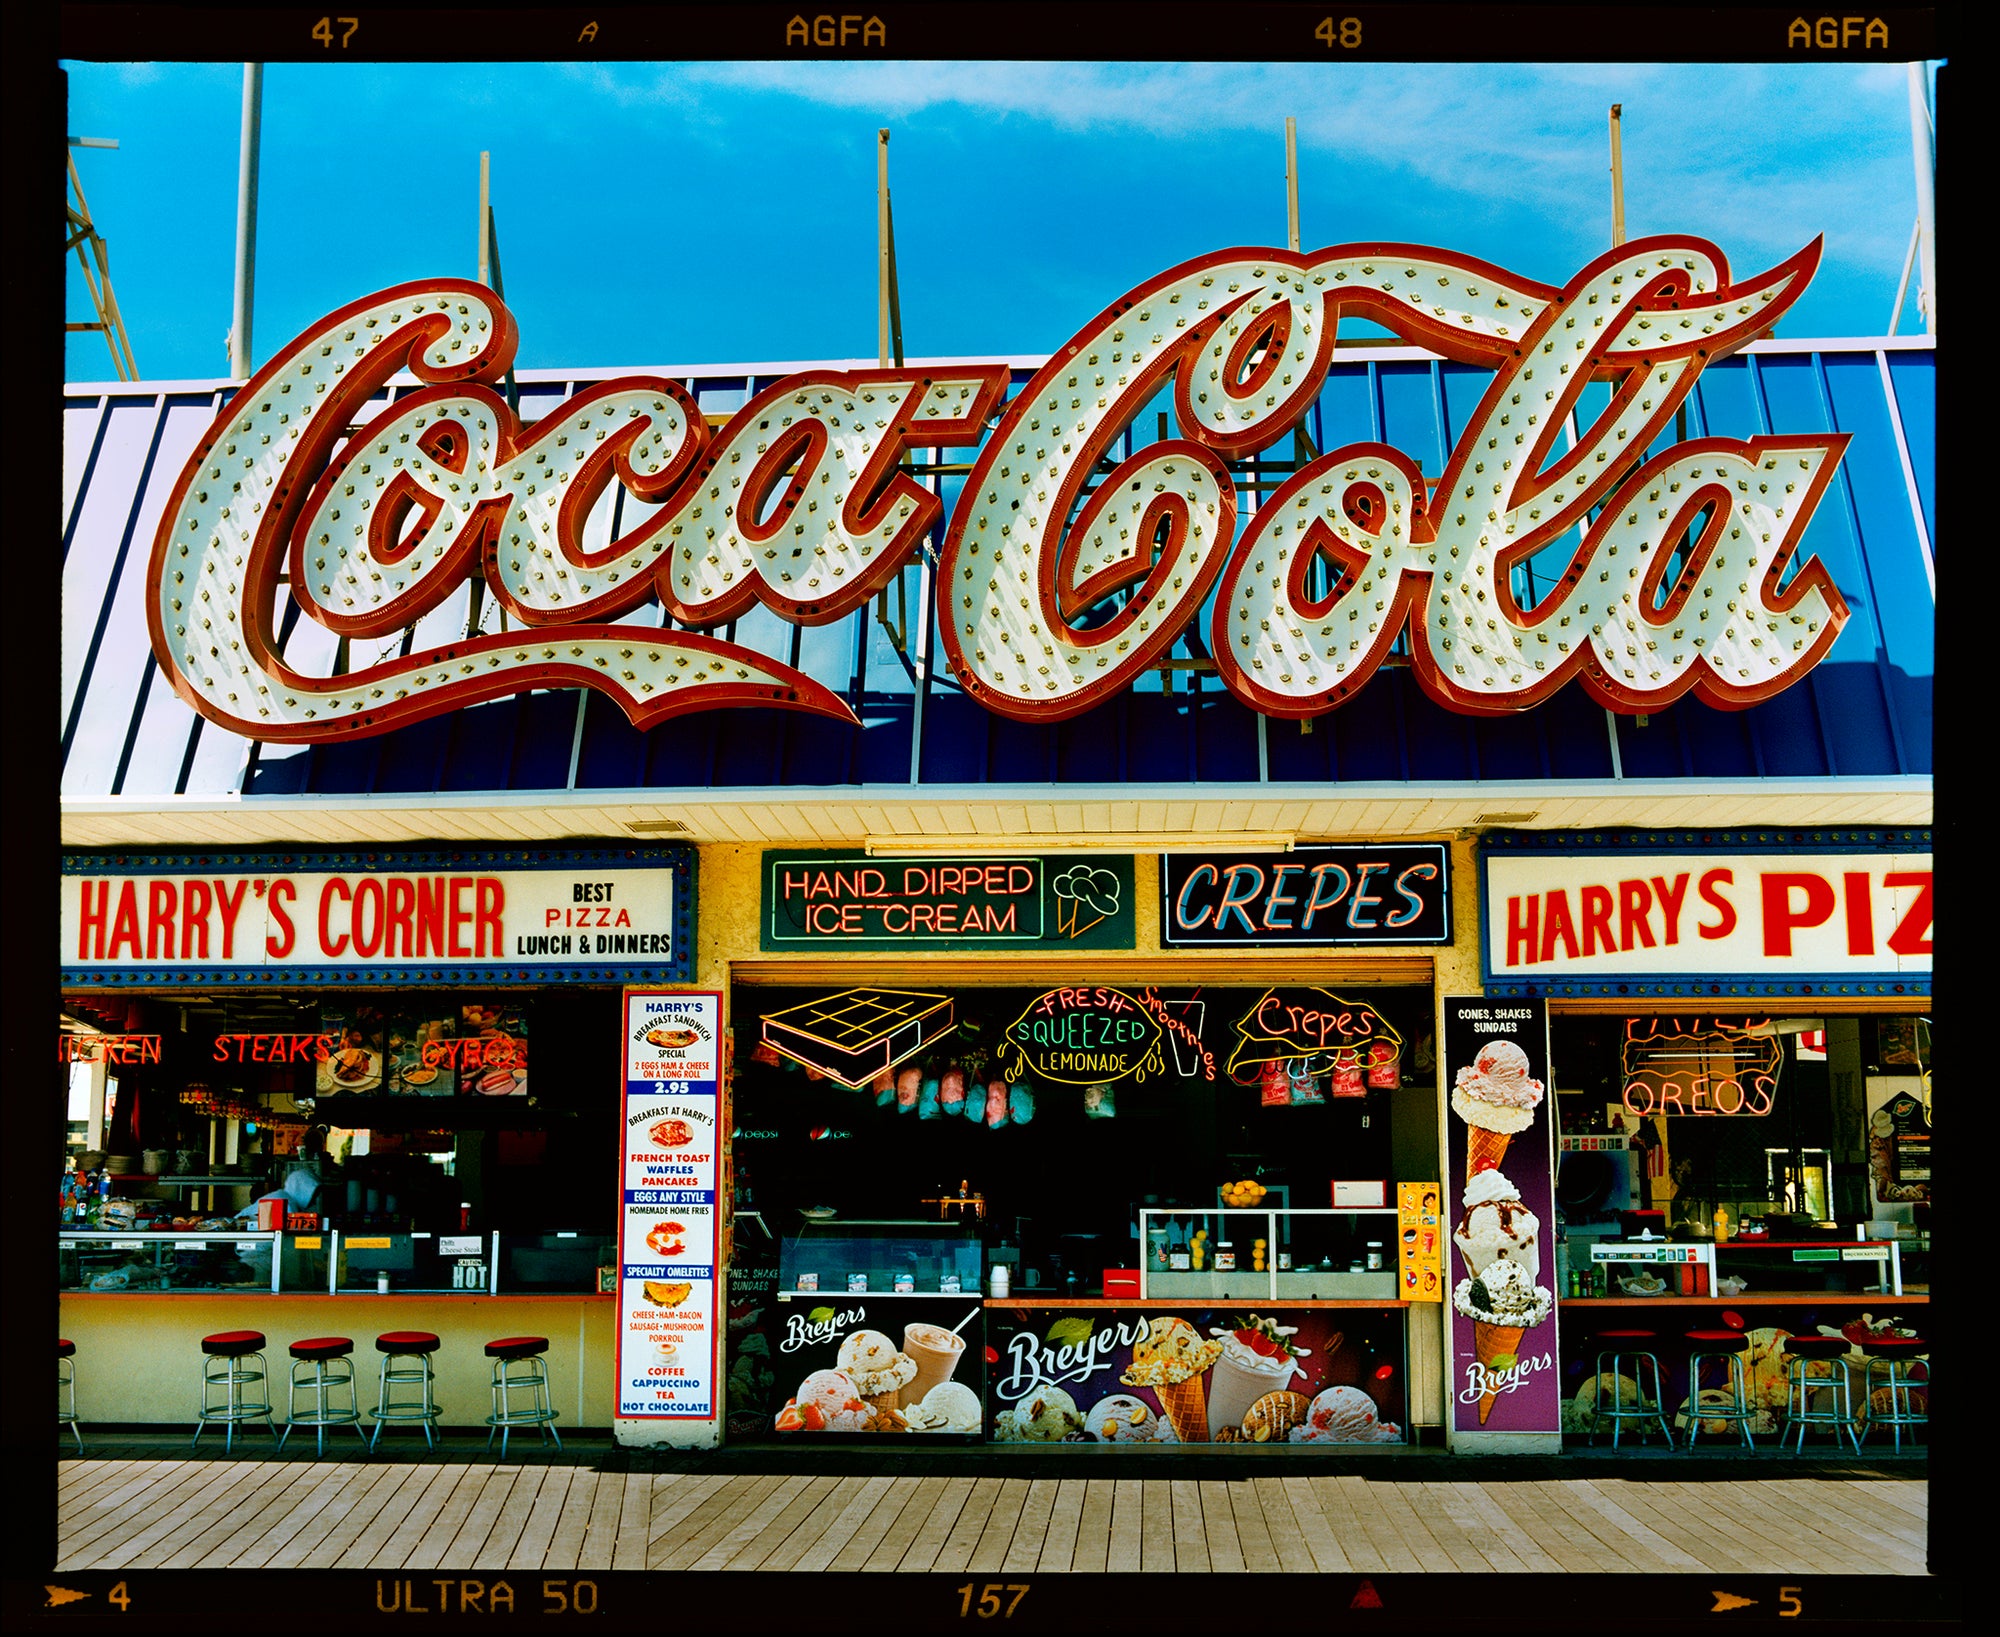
388	917
1679	912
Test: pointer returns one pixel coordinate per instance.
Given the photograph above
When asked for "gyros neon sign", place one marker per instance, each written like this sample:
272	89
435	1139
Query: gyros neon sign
1063	576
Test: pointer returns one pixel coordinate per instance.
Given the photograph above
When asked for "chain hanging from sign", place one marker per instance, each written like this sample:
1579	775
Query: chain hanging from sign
1058	583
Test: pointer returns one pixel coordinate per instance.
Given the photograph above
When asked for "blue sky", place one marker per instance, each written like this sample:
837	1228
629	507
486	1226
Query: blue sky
657	214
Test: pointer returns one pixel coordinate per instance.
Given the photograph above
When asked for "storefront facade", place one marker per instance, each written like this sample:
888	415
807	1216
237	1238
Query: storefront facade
985	960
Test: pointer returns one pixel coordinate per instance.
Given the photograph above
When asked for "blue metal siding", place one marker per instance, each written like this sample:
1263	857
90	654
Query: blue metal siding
1866	710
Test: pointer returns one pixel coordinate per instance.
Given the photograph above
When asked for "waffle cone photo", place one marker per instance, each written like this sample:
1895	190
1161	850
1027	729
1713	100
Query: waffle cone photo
1494	1341
1484	1149
1185	1405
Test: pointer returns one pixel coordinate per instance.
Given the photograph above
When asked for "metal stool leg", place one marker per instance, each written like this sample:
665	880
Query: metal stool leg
66	1384
424	1411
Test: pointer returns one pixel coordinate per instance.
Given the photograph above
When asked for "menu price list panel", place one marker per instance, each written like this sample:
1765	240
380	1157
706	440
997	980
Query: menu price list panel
667	1338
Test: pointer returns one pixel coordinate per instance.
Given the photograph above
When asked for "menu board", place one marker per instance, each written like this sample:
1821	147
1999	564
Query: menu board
1420	1236
668	1203
1499	1189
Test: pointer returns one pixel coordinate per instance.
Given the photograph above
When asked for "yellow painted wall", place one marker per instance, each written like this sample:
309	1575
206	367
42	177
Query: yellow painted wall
138	1357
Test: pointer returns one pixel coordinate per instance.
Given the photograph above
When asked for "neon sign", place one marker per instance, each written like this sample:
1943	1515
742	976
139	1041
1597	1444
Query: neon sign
1676	1067
1060	580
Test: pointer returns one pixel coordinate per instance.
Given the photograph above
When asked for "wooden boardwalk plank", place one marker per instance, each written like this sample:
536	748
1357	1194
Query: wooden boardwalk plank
1218	1528
116	1537
991	1550
567	1541
230	1533
957	1548
635	1516
919	1507
867	1540
1327	1554
487	1505
1122	1549
103	1482
1912	1496
1386	1514
443	1526
505	1534
600	1538
935	1530
1454	1506
344	1513
1093	1529
127	1511
1252	1533
799	1503
670	1504
703	1513
1871	1519
839	1534
1190	1538
1685	1516
1834	1535
1336	1506
305	1512
814	1525
1059	1540
1156	1526
1024	1551
1575	1549
543	1517
363	1549
741	1514
1294	1556
1628	1531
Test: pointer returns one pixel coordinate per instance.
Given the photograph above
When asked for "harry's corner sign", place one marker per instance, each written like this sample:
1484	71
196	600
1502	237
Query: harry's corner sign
1065	573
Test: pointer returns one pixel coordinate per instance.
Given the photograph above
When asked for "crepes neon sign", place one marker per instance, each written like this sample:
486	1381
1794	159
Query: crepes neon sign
1064	572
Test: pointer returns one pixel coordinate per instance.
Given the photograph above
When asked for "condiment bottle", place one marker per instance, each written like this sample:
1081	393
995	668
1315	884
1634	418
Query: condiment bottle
1721	1223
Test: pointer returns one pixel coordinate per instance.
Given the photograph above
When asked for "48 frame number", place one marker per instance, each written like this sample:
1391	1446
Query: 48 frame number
1345	33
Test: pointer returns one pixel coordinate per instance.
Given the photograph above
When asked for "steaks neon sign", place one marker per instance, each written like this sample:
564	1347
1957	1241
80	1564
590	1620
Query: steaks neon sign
1064	572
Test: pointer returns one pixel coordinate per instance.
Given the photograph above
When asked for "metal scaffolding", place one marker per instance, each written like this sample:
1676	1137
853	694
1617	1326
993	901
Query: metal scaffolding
96	265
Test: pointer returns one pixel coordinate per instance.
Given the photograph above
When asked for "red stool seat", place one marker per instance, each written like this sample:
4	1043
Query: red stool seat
1625	1335
517	1347
1719	1341
232	1343
65	1349
1816	1346
1894	1346
322	1347
406	1341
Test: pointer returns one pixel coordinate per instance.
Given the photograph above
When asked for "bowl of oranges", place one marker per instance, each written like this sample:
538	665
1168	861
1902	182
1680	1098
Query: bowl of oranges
1243	1195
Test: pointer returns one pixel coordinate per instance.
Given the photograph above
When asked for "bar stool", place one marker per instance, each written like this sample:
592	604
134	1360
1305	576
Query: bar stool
528	1351
331	1359
1892	1357
1800	1351
1731	1347
406	1344
66	1390
232	1350
1626	1346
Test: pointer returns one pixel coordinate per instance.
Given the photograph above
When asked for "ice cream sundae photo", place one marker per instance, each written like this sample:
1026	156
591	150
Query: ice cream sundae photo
1497	1227
1344	1415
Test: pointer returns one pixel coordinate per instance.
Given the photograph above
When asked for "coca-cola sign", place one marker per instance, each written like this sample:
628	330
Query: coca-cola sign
1062	578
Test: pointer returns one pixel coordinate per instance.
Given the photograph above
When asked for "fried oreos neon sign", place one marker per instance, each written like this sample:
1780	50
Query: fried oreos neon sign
1065	572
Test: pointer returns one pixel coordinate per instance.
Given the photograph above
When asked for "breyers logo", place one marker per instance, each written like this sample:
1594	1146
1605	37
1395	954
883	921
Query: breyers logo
1058	583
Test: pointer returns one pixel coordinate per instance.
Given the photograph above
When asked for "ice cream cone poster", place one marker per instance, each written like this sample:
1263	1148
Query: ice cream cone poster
1160	1380
667	1341
1498	1192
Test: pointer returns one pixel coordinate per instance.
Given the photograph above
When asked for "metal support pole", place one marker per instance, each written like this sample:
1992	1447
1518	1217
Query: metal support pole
1292	182
246	223
1924	148
882	280
1903	283
1617	178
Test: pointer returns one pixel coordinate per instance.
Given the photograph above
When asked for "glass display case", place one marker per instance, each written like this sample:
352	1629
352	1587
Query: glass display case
329	1261
1198	1253
882	1258
122	1263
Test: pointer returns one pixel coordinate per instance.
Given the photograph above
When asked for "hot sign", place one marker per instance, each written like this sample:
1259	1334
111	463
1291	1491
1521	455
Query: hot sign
1058	582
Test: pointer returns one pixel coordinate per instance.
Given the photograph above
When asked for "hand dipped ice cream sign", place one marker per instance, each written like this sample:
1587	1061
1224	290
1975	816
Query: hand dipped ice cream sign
1059	581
